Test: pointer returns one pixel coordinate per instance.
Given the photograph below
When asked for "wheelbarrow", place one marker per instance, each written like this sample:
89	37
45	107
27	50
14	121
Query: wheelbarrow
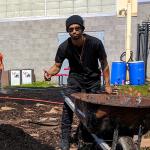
115	122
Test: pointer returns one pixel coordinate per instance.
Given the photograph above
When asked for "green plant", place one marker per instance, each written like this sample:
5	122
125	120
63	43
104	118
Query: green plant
42	84
143	90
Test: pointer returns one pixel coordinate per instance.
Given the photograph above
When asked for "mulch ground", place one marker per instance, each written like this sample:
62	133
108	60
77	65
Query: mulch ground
31	125
27	123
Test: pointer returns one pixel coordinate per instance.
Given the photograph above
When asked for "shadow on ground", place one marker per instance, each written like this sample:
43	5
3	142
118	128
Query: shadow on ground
13	138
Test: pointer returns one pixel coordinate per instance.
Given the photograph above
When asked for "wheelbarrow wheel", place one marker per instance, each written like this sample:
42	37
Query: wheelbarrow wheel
125	143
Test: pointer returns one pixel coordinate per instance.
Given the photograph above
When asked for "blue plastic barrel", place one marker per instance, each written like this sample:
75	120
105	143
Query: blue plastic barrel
137	72
118	73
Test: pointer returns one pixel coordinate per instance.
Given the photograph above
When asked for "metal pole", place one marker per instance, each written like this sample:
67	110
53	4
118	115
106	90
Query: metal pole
146	47
138	42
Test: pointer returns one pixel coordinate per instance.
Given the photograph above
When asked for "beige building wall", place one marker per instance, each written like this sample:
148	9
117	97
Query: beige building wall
32	44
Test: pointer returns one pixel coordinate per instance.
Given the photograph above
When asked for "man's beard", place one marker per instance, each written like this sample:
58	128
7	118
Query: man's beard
76	37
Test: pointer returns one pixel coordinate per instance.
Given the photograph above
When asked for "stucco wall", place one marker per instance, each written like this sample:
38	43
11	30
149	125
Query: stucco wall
33	43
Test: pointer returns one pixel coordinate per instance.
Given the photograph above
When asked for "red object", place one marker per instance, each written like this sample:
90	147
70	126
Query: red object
1	56
29	99
1	61
65	74
68	68
59	74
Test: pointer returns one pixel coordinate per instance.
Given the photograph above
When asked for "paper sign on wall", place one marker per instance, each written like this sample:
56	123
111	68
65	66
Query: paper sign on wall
15	77
26	76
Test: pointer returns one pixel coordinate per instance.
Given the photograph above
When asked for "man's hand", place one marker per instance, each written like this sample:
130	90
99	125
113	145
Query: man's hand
108	89
47	76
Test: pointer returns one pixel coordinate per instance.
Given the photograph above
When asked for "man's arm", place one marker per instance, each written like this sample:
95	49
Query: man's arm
1	61
52	71
2	66
106	75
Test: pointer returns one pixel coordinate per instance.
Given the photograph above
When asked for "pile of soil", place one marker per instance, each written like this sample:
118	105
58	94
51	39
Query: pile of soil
31	125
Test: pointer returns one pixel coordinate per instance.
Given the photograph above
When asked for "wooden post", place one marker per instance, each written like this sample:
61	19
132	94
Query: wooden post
128	31
127	8
128	36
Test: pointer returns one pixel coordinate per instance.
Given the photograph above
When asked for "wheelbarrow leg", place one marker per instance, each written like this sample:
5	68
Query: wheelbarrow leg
126	142
137	142
115	138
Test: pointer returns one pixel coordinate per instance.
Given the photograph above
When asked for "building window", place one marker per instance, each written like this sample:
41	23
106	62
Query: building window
52	8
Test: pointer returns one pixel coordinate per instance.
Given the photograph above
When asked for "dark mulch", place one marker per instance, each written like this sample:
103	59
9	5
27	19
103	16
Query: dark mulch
31	125
34	125
51	94
14	138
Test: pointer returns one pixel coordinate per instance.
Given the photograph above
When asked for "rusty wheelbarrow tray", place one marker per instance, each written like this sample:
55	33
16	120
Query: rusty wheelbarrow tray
114	100
128	111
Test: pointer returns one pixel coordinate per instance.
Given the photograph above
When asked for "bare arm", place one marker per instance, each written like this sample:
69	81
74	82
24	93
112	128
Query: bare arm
106	75
105	69
52	71
1	65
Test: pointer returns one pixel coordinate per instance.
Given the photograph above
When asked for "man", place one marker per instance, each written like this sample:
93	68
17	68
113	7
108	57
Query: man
83	52
1	69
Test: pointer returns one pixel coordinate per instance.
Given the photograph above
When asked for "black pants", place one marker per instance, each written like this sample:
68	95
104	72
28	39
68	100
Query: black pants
76	83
